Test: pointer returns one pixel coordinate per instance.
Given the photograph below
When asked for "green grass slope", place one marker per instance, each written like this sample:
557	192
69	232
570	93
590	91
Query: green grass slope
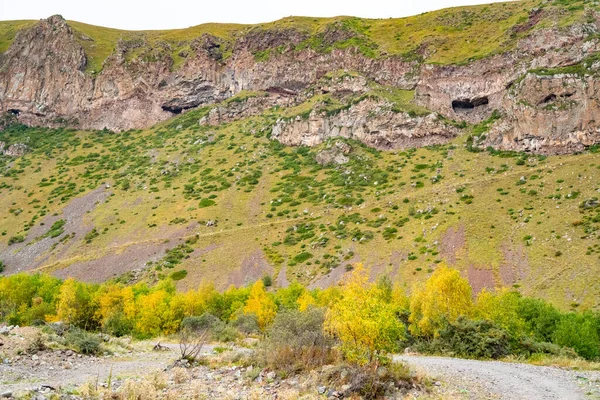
503	219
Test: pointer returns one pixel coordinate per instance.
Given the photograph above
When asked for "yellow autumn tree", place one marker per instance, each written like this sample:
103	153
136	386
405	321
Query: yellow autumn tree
364	321
501	308
116	309
75	305
443	298
400	300
261	304
154	314
115	299
328	297
305	301
193	302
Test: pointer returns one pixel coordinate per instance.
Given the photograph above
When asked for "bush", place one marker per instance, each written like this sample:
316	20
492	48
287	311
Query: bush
83	342
267	280
219	330
540	318
179	275
205	322
580	333
2	266
297	342
16	239
247	324
528	347
467	338
118	325
226	334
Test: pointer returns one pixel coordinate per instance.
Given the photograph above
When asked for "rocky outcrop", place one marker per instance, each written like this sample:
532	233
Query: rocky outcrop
540	112
14	150
334	153
44	81
237	109
42	74
549	114
370	121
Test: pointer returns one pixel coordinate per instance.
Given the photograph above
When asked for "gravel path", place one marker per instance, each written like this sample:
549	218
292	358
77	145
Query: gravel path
26	377
501	380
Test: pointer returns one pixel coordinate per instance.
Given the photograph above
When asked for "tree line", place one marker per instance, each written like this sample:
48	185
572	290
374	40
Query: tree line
367	320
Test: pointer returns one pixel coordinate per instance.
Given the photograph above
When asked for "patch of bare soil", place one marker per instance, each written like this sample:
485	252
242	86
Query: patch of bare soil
480	279
116	263
36	250
452	241
516	264
122	257
336	276
282	280
253	268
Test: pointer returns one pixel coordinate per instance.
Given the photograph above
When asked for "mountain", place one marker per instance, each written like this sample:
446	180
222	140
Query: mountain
296	148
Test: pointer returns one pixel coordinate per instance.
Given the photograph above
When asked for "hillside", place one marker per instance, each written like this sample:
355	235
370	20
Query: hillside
534	61
298	148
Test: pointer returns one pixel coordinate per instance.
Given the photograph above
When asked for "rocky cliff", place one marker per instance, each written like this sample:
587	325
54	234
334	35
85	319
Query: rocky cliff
540	75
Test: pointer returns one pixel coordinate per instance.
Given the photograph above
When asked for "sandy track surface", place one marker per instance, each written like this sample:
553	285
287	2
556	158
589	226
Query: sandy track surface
510	381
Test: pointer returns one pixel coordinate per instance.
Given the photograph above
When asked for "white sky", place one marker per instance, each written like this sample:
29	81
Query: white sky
164	14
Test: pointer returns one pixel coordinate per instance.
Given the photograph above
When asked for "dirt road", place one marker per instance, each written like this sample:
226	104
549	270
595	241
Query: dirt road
500	380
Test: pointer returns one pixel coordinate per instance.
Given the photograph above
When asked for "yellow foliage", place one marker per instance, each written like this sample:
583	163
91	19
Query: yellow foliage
75	304
261	304
305	301
329	296
67	302
400	299
443	298
501	308
154	314
364	322
115	299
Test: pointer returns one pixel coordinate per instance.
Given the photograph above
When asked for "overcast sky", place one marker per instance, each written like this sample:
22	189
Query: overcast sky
149	14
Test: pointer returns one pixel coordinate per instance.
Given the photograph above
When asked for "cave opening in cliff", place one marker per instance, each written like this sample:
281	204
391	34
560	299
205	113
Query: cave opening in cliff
173	110
469	104
14	111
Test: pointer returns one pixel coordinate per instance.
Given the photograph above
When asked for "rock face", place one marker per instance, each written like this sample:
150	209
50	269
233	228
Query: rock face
369	121
44	81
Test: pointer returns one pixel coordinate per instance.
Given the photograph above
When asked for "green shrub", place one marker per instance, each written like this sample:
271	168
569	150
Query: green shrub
472	339
83	342
16	239
297	341
226	334
205	322
206	203
56	229
267	280
247	323
528	347
540	318
2	266
304	256
219	330
118	325
580	333
179	275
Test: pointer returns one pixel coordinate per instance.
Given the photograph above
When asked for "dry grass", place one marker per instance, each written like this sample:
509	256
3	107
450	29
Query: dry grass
558	361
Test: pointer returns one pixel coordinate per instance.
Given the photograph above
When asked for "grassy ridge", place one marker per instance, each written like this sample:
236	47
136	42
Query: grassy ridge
454	35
